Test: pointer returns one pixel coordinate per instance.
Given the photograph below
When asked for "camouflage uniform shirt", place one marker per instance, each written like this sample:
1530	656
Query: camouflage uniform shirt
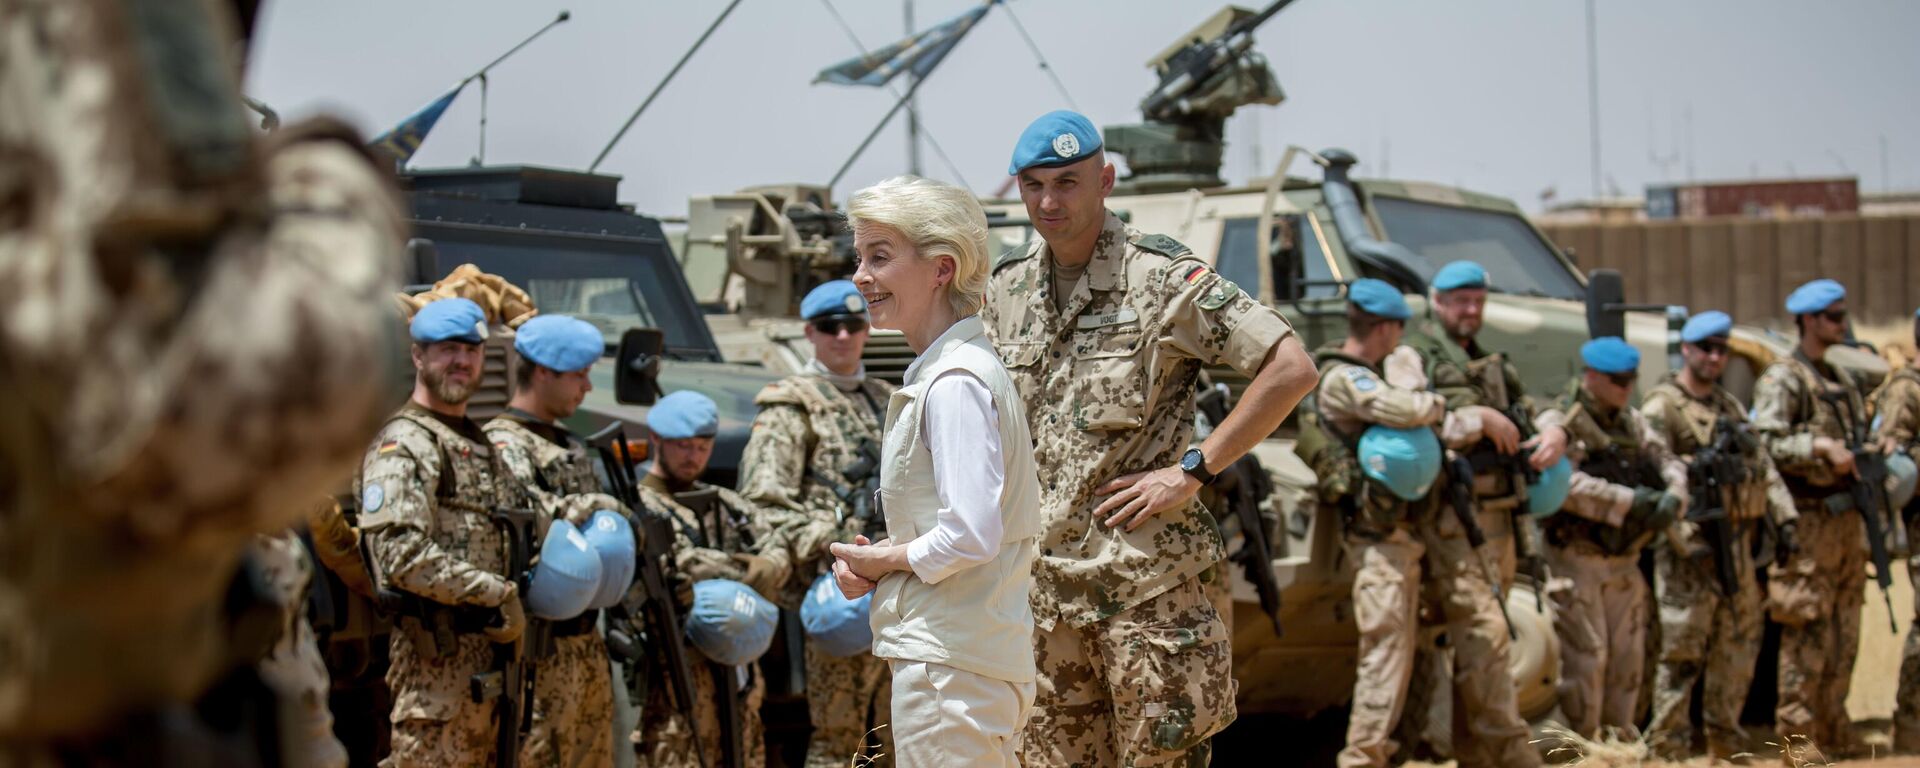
1109	386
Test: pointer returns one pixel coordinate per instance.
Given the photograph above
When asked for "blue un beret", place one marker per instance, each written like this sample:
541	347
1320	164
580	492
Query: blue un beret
453	319
1460	274
684	414
1815	296
1610	354
838	297
1055	138
1376	297
559	342
1706	325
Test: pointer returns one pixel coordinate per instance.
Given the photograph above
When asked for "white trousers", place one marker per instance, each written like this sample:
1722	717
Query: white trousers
944	716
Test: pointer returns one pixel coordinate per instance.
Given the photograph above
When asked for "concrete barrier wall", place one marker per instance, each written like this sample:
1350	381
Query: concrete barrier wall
1746	267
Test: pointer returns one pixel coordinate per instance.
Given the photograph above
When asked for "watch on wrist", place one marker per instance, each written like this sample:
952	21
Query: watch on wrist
1195	463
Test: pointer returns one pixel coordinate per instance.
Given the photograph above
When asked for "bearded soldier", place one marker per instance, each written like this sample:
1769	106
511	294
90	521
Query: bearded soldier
813	461
1627	487
717	536
1804	408
429	484
1487	413
1709	627
573	696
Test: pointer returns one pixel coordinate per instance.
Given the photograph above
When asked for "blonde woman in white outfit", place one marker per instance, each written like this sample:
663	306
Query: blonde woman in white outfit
957	487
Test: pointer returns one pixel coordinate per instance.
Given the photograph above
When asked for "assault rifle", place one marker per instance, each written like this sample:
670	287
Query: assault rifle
659	623
1718	467
1460	491
1867	492
510	682
1242	485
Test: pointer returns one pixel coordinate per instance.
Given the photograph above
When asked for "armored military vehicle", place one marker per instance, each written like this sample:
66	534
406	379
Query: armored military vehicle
563	237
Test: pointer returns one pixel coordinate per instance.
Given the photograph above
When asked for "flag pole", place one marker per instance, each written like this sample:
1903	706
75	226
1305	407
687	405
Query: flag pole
481	75
876	131
618	135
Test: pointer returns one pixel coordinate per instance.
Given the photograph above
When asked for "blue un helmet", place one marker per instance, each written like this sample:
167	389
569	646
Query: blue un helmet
1546	494
1404	460
567	577
1902	477
730	623
837	626
612	538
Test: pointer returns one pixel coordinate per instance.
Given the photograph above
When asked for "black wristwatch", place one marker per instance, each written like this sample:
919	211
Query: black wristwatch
1195	463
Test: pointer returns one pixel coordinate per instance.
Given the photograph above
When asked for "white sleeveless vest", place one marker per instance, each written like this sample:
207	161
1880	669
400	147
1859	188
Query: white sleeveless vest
978	619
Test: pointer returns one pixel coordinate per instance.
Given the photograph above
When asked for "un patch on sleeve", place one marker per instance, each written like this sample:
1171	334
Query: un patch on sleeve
372	498
1362	379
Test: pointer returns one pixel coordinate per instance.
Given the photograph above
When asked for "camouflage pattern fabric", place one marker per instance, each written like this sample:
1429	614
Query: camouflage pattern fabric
1108	383
163	406
1817	595
1703	632
294	669
573	688
1146	687
426	489
704	542
1386	595
807	434
1485	718
1897	419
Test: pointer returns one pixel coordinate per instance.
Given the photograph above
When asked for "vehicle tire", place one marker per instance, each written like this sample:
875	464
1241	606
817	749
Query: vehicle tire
1535	658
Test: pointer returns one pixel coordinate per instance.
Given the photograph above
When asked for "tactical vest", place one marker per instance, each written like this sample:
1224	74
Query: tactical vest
1828	409
559	470
1688	434
1614	455
1494	382
473	482
1367	508
843	460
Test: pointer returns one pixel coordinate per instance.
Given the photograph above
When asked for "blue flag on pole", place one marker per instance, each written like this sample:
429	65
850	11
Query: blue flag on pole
404	139
918	53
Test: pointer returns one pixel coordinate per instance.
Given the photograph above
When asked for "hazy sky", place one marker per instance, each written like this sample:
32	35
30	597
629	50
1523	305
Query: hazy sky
1486	94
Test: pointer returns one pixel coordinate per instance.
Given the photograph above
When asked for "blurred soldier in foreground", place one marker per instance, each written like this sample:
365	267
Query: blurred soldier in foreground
1707	599
813	460
1381	503
1491	423
294	669
573	696
429	483
1804	409
1897	429
1134	662
719	537
195	331
1627	488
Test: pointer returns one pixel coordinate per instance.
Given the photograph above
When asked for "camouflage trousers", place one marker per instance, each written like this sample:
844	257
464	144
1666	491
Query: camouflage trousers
1817	598
846	699
435	720
1906	712
1600	604
1149	686
1703	633
1485	721
665	738
1386	595
572	707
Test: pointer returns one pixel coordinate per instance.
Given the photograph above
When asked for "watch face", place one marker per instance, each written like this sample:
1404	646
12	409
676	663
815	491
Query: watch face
1190	461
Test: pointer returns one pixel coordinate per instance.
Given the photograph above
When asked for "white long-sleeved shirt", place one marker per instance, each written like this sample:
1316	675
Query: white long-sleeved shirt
961	429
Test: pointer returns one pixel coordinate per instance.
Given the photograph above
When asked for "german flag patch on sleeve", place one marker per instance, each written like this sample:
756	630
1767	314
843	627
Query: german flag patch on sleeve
1194	275
388	447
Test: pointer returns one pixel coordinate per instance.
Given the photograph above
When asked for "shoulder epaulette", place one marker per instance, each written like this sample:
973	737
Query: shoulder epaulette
1016	253
1161	244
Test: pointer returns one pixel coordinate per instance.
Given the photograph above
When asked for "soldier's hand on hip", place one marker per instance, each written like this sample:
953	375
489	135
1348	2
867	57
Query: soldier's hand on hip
1497	428
513	620
1548	447
1141	495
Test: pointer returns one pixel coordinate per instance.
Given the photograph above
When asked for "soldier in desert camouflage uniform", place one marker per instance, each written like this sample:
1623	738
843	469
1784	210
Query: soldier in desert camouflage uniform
1803	409
1705	632
1627	488
814	428
1897	428
428	485
1104	330
192	332
1470	693
573	696
294	669
717	535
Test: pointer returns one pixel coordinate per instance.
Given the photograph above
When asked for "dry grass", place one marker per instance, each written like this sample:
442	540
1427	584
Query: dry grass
1611	750
1801	752
868	742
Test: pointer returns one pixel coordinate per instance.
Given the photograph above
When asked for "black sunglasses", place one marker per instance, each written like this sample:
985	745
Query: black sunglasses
832	326
1835	316
1711	347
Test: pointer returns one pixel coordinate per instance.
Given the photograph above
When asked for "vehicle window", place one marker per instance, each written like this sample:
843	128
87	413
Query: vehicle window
624	288
1297	260
1516	258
